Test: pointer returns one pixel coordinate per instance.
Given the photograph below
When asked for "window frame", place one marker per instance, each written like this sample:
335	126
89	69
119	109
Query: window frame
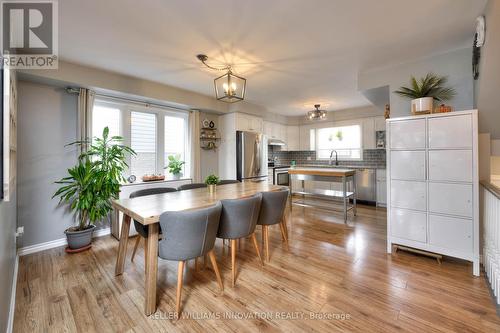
126	108
337	125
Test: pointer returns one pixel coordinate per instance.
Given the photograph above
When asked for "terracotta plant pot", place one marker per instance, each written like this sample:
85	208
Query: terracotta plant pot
79	239
422	105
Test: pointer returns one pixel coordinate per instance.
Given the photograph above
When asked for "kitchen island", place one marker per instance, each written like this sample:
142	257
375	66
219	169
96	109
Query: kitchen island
330	175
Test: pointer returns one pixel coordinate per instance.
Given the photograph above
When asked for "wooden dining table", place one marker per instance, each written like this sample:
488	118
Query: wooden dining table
147	210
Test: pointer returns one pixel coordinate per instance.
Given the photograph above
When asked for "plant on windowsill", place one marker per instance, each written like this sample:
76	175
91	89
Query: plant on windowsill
91	186
175	166
424	91
211	181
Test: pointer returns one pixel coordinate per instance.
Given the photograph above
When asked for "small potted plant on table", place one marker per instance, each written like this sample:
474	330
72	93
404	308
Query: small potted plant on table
424	91
91	185
211	181
175	166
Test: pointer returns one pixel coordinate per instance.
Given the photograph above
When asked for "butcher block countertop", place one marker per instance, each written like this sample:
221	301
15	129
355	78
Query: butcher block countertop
329	172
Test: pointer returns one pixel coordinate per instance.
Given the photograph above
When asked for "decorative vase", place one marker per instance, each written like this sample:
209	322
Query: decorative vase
423	105
211	188
79	239
177	176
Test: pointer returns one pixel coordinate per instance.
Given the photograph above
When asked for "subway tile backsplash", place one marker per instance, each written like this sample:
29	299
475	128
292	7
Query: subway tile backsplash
372	158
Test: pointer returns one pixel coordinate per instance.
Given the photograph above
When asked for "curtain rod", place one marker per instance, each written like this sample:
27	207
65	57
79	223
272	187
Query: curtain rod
130	100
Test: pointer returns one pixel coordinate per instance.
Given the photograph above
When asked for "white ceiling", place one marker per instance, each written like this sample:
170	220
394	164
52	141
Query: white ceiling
294	53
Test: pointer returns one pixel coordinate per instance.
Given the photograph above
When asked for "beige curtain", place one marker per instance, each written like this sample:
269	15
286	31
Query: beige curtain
194	146
85	106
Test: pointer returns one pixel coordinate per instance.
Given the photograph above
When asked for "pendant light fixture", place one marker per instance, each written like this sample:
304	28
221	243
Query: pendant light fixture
316	114
229	87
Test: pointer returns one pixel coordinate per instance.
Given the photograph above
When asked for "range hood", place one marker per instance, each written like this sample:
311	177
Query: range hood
275	142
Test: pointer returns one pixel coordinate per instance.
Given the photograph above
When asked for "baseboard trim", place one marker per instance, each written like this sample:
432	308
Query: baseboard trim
12	306
56	243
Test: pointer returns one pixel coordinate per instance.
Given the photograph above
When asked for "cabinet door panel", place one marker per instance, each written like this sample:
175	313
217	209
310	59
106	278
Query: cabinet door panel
408	134
409	224
450	165
451	233
381	192
408	165
455	199
450	132
409	194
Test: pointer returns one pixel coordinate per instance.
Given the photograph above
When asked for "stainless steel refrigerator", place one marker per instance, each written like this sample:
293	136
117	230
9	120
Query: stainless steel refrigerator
251	156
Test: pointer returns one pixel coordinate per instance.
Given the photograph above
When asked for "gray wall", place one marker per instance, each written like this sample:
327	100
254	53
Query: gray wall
7	256
455	64
488	84
47	121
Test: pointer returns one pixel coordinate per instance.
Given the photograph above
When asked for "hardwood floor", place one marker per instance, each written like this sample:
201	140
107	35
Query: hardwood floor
331	270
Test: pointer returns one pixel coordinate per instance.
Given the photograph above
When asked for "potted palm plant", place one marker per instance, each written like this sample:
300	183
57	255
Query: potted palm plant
91	185
175	166
211	181
425	90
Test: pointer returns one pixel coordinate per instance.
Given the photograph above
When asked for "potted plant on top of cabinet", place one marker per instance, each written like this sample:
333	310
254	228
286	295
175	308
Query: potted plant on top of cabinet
91	185
424	91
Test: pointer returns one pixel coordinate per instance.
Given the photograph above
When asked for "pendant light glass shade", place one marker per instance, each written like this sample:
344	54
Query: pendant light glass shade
316	114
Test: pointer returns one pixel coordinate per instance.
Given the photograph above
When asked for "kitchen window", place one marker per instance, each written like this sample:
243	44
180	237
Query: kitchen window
153	132
346	140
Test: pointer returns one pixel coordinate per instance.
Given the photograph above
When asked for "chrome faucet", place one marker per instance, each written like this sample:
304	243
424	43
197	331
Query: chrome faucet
336	157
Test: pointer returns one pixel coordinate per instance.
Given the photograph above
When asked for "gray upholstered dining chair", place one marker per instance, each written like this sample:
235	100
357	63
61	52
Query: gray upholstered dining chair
238	220
272	211
228	181
188	235
141	229
191	186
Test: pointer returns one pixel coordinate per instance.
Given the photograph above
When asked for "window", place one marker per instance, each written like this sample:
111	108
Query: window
143	142
346	140
103	116
153	132
175	132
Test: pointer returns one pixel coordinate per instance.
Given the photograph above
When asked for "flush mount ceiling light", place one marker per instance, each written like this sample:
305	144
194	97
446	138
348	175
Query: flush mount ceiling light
229	88
316	114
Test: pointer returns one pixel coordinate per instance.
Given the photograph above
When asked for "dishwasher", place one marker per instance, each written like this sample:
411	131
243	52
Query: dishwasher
366	185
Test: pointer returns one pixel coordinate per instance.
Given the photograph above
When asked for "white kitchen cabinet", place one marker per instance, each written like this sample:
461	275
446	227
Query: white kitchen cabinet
458	132
407	165
451	233
379	123
450	165
306	137
245	122
439	202
439	213
408	134
282	132
368	126
408	224
293	138
409	194
380	175
268	129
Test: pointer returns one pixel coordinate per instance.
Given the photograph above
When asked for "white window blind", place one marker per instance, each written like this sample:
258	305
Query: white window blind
346	140
143	142
103	116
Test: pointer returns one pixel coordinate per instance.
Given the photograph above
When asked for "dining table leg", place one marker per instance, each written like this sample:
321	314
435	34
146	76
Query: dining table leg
122	247
152	268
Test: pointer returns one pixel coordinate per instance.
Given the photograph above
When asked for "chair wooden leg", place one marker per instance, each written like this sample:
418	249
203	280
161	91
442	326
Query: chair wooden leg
211	254
233	260
254	241
196	264
266	242
283	235
137	241
205	260
180	272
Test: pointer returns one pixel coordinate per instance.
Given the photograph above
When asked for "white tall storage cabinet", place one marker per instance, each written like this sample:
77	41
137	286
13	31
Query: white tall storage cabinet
432	184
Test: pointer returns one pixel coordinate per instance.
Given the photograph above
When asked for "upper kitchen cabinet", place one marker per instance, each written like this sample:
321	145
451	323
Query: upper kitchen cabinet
379	123
306	137
293	138
246	122
368	126
408	134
